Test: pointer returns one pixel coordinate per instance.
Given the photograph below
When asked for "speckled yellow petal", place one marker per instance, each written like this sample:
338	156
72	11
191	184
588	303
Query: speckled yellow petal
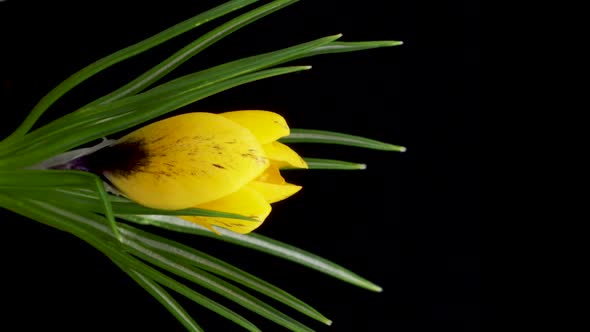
266	126
187	160
246	202
281	155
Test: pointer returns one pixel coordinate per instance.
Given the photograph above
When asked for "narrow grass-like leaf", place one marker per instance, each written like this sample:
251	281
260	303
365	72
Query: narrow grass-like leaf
246	65
119	56
316	163
164	298
215	74
166	66
141	113
89	115
330	137
343	47
42	179
35	179
163	260
82	225
260	243
194	81
85	199
182	253
217	285
120	257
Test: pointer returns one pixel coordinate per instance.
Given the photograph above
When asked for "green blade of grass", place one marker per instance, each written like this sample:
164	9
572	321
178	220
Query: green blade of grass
122	258
119	56
182	253
260	243
209	76
217	285
86	200
316	163
164	298
84	226
166	66
343	47
42	179
89	221
90	115
38	179
241	66
330	137
179	251
141	112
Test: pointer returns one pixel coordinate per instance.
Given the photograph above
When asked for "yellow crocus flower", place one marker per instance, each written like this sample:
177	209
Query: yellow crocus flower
226	162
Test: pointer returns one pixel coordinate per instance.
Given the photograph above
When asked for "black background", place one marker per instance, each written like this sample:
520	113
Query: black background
410	222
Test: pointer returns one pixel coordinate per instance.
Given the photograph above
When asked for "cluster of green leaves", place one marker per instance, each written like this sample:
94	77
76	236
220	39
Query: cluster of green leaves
76	202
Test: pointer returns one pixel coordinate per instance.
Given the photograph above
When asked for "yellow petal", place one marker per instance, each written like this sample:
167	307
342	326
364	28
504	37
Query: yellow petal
271	175
273	186
281	155
187	160
266	126
274	192
246	202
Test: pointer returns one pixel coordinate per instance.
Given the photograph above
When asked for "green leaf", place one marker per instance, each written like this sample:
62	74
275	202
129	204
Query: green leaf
43	179
196	80
92	115
184	54
260	243
193	81
329	137
184	254
92	224
316	163
85	199
119	56
122	258
215	284
164	298
86	227
137	114
343	47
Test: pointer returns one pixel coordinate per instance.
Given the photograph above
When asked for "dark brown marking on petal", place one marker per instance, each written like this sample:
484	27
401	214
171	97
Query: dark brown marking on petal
121	159
251	154
218	166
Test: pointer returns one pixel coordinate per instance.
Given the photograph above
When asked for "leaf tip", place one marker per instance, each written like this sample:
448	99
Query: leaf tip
375	288
397	148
